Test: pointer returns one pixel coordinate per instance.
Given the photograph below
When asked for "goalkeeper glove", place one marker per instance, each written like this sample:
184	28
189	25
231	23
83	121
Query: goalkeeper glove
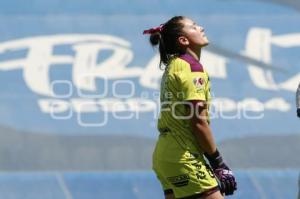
225	176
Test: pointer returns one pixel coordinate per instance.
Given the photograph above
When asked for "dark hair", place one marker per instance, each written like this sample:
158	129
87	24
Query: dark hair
167	39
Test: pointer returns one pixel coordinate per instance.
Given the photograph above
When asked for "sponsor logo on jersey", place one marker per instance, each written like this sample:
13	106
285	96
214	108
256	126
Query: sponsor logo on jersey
199	83
180	180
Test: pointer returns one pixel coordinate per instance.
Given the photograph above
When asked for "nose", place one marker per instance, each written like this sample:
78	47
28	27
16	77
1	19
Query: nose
201	28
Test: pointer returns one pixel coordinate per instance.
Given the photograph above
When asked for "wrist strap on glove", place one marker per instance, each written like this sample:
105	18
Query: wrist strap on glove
215	160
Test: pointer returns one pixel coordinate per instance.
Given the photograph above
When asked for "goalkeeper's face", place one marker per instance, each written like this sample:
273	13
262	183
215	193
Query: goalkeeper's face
194	35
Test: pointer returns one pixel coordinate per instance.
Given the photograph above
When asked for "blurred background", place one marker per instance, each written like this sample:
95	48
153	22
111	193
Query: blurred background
79	95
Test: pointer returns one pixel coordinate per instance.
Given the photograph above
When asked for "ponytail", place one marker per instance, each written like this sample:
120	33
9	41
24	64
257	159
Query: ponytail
165	36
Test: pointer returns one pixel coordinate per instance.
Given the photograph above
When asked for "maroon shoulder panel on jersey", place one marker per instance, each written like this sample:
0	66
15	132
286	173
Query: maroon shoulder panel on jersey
195	65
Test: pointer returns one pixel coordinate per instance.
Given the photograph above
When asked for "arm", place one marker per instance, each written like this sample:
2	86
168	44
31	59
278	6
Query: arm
298	100
200	127
204	137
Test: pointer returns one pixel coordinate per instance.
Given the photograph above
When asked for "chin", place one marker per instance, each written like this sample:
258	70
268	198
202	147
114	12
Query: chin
204	44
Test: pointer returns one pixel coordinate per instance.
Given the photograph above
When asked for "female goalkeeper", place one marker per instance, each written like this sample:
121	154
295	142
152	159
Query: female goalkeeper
185	136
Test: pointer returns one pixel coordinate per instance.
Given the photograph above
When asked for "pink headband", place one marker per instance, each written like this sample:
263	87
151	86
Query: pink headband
154	30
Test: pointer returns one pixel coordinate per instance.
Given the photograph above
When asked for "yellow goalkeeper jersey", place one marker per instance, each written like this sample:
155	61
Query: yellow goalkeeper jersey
184	80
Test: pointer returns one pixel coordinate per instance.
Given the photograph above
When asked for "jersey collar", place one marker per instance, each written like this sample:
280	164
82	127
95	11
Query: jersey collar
196	66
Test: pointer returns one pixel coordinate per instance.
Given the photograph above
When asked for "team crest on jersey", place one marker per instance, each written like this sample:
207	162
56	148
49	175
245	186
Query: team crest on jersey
199	82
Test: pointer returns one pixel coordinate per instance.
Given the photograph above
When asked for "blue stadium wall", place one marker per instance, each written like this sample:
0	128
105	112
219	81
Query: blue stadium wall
79	95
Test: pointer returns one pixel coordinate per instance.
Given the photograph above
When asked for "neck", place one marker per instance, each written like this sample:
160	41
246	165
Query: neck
194	53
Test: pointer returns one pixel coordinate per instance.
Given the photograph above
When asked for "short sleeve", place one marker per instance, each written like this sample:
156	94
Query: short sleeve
191	86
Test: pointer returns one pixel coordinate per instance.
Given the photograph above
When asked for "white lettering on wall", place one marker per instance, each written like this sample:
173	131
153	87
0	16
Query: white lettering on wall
116	57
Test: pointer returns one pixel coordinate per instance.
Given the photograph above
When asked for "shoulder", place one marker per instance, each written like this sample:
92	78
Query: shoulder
195	65
186	63
178	65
